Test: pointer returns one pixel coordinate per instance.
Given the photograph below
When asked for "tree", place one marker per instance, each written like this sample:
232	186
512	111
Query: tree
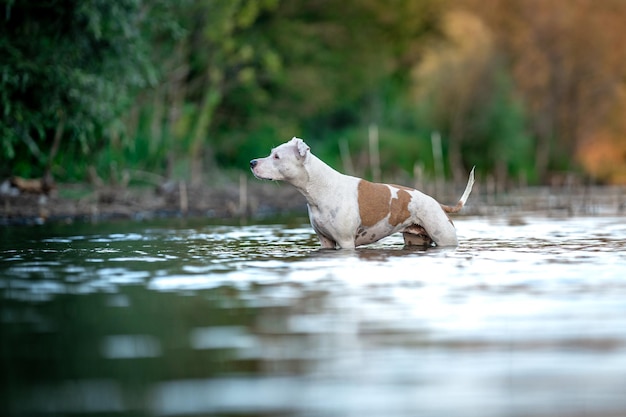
200	80
221	56
214	54
341	65
464	91
567	66
68	69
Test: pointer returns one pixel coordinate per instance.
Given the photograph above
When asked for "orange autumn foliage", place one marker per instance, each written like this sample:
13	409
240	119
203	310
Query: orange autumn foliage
569	65
603	152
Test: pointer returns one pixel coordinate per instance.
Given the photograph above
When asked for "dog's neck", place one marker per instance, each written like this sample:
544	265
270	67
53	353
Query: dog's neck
319	182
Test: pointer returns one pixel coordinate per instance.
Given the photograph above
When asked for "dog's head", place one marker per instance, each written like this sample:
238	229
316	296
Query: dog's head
285	162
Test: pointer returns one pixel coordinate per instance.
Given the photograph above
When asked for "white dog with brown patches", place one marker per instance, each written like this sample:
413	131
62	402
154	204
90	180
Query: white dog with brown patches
347	211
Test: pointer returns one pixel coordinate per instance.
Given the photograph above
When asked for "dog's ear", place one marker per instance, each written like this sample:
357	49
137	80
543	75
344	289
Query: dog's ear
302	147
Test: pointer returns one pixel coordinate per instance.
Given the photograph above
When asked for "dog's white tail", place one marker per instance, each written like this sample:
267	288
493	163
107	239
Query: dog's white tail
464	197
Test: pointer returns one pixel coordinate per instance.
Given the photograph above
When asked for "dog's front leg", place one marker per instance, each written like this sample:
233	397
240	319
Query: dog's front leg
329	243
326	242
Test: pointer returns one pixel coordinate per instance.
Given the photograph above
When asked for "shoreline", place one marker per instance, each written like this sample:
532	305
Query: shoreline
82	202
260	199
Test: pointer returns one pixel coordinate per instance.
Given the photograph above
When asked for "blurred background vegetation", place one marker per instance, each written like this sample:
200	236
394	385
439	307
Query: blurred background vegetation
526	90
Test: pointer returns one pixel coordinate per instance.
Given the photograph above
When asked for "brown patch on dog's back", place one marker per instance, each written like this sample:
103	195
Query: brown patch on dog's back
373	202
400	208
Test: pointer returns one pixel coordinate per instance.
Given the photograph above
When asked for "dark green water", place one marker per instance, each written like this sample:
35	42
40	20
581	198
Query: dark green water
178	318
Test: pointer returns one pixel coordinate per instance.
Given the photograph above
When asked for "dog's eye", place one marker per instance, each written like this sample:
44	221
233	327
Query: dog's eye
276	156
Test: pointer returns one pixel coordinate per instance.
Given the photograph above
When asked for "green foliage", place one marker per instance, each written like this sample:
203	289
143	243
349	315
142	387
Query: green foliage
341	64
400	149
67	64
146	85
215	54
505	132
484	118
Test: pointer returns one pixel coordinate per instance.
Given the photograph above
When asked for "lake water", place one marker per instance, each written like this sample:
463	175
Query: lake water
184	318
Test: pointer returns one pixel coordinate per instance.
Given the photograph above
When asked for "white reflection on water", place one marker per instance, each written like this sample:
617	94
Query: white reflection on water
130	346
73	397
457	393
222	337
524	320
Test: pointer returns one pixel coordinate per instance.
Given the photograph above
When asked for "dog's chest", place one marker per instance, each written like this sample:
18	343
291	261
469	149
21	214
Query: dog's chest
328	217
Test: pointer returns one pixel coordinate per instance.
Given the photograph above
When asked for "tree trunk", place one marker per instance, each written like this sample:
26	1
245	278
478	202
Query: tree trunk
203	120
48	179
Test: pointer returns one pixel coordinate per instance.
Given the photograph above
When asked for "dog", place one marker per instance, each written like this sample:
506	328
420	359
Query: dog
347	211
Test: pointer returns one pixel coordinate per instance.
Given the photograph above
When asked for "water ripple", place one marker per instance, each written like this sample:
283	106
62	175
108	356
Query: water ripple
523	319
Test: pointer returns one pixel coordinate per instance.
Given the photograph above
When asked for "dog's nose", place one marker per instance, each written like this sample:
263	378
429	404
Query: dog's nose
253	163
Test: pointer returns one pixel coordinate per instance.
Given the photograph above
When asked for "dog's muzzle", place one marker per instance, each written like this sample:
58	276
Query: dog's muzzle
253	163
